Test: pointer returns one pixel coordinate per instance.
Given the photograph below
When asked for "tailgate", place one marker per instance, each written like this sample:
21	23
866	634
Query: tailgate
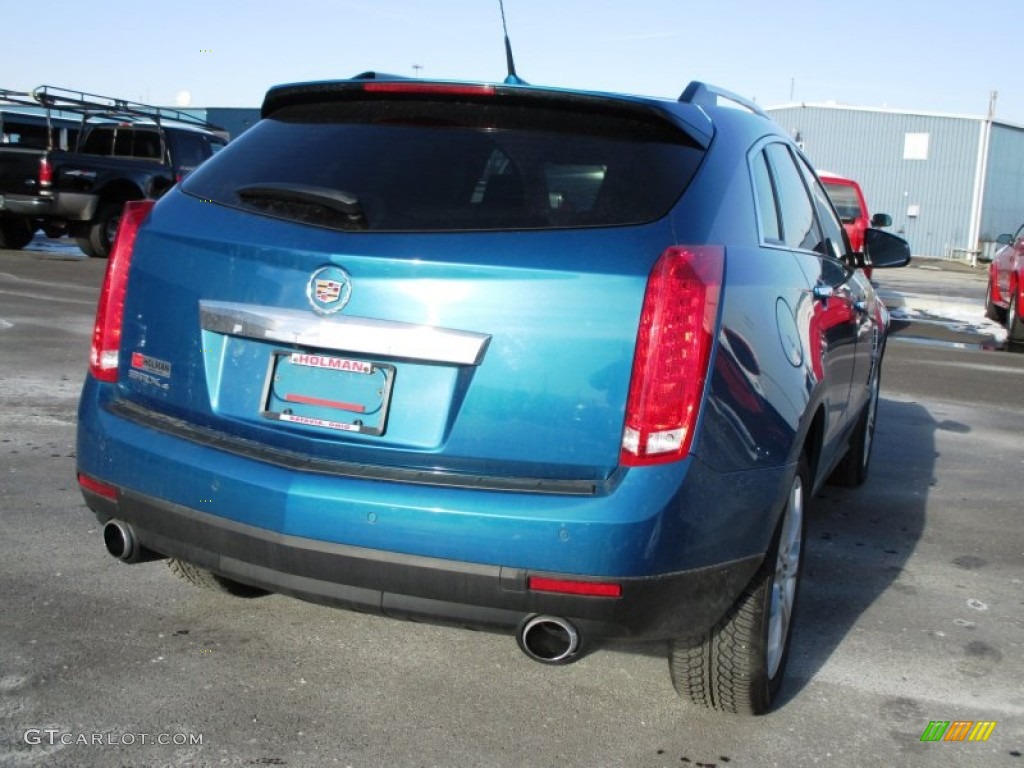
442	279
501	366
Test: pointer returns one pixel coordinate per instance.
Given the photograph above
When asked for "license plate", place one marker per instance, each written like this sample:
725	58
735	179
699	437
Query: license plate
328	392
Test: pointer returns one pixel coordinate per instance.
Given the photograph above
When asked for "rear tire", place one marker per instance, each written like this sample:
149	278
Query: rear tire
204	579
102	231
739	664
15	233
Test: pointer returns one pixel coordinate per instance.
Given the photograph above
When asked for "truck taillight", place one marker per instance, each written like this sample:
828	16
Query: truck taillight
106	333
673	352
45	172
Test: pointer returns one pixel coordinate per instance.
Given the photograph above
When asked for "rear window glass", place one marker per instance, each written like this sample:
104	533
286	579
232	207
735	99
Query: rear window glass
413	165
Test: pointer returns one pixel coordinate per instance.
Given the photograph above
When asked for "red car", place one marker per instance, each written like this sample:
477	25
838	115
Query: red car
1006	285
848	198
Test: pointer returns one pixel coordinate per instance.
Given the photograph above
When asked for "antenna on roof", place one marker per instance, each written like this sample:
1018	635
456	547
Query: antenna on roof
512	78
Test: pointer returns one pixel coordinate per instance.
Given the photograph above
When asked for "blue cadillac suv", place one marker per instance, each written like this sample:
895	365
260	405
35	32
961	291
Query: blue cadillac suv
564	364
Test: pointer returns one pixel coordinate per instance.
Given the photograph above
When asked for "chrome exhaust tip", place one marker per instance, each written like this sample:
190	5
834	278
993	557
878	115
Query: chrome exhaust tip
549	639
120	541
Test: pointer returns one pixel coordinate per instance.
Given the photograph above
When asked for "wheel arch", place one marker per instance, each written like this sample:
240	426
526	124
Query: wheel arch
811	446
119	191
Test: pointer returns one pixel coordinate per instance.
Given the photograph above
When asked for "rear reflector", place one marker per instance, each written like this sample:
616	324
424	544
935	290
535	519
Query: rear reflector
106	333
100	489
572	587
430	88
673	350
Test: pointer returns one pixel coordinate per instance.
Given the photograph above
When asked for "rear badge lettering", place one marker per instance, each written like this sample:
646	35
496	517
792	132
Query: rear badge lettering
331	363
151	365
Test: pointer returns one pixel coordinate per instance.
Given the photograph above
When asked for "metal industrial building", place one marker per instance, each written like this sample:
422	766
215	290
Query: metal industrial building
952	183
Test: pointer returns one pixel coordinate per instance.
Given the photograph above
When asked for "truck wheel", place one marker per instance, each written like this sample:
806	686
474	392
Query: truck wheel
738	665
200	577
85	246
15	234
102	231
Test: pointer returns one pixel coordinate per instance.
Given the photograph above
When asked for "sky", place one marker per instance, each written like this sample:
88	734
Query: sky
934	56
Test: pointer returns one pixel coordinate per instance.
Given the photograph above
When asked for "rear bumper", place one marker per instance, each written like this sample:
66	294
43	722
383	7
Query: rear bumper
73	206
26	205
424	588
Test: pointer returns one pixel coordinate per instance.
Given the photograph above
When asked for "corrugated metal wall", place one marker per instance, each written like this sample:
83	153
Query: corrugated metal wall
1003	211
868	145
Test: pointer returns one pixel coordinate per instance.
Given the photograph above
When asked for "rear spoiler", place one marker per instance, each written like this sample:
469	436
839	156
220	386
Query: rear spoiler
378	85
706	95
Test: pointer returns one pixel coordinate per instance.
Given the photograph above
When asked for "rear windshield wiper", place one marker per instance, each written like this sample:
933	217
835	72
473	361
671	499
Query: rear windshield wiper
315	205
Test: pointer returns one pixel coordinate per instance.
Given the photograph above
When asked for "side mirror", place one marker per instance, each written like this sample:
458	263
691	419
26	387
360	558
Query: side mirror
1004	239
881	220
884	249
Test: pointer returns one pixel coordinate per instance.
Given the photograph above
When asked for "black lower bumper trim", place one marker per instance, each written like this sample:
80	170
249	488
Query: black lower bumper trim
424	588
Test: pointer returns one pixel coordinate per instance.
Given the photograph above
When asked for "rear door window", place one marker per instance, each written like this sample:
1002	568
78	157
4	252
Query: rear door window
767	207
190	148
844	197
835	236
434	165
799	226
99	141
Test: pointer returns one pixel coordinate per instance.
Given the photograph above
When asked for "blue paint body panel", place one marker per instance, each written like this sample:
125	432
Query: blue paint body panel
465	407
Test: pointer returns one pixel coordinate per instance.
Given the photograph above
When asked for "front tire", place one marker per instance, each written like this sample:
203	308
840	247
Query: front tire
738	665
992	311
15	234
852	470
1014	323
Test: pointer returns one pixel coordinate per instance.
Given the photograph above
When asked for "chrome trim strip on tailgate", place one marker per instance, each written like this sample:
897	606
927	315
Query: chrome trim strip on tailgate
251	449
363	335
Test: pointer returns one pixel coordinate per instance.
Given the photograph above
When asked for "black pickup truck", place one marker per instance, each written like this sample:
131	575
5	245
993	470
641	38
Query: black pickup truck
72	177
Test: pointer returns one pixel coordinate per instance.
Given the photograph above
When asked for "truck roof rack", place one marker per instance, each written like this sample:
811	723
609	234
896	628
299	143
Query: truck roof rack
706	95
94	105
21	98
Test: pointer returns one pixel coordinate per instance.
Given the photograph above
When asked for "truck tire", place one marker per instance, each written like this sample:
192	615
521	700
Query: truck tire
102	231
738	665
15	234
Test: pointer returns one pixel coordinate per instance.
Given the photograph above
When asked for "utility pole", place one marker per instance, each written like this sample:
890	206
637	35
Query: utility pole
416	69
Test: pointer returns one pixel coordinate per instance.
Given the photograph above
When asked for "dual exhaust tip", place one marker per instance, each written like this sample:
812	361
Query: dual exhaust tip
546	639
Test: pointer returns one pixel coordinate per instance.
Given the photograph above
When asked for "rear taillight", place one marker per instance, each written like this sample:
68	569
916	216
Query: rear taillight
45	172
106	333
673	351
